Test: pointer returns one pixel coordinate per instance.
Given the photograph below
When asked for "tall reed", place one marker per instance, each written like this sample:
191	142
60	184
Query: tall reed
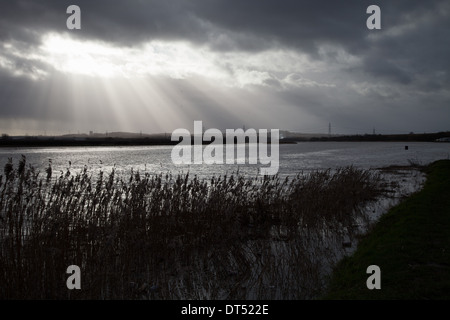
167	236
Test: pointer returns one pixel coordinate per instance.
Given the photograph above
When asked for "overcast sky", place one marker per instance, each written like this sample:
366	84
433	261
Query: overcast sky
154	66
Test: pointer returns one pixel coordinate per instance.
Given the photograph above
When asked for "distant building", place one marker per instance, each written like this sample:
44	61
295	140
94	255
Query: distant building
446	139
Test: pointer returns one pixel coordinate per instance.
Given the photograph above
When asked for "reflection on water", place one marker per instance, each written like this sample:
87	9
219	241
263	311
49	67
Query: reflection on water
294	158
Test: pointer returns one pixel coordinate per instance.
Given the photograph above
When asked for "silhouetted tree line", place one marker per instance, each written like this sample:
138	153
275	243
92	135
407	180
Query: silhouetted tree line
424	137
35	141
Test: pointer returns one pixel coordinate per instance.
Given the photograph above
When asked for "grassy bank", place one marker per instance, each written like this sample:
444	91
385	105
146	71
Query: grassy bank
410	244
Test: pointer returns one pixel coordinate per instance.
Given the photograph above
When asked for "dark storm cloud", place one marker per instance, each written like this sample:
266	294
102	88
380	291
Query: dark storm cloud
386	70
301	24
252	25
120	22
407	57
413	47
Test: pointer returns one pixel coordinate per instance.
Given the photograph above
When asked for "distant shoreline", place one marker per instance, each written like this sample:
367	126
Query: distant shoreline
163	139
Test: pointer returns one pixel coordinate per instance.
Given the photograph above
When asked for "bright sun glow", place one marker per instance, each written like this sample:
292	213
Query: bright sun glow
175	59
78	57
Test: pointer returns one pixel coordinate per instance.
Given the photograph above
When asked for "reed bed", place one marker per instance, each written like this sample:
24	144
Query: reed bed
163	236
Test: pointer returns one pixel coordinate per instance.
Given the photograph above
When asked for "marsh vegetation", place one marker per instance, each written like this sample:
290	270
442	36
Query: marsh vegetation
164	236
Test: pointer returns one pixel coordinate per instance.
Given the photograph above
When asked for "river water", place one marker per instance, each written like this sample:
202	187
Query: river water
294	158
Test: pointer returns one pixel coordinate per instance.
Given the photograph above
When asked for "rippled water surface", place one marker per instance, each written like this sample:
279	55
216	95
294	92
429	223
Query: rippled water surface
294	158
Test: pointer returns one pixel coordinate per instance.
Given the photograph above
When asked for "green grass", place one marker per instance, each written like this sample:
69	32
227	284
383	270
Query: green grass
410	244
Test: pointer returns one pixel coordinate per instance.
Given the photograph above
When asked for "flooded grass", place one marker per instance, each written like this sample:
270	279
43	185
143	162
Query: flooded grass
409	243
169	236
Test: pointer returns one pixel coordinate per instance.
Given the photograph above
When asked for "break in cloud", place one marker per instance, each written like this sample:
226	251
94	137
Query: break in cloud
154	66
